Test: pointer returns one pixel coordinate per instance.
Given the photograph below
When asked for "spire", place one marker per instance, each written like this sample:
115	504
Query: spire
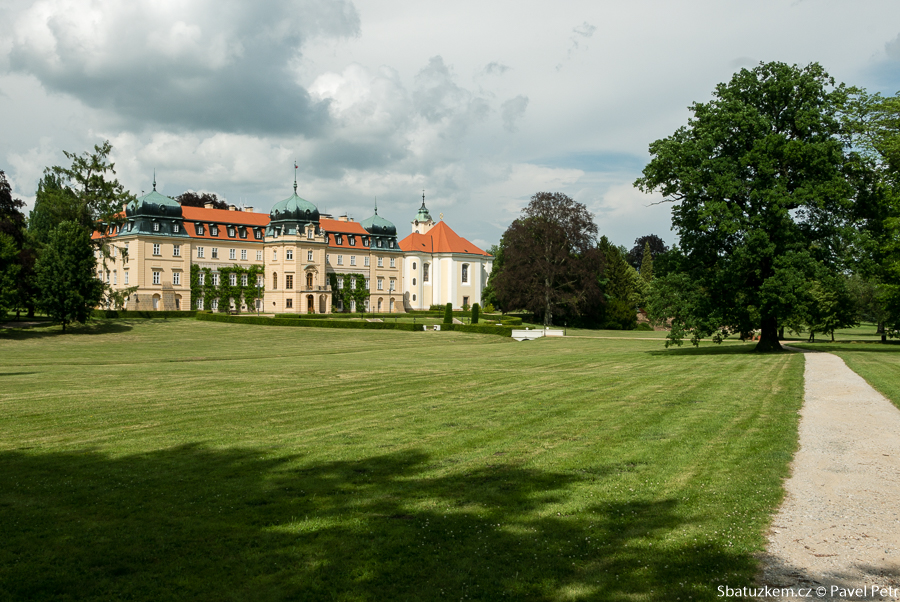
154	179
376	205
295	176
423	197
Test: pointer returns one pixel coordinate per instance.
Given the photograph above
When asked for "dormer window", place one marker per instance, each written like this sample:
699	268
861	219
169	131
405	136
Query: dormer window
243	232
391	244
309	233
156	226
199	229
352	241
338	239
379	243
130	226
176	228
365	241
214	230
231	232
258	234
326	239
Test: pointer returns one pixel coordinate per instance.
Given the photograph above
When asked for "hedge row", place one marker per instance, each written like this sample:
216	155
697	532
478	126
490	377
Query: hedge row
504	331
124	313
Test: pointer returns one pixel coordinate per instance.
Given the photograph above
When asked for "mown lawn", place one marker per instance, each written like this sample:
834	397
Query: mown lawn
185	460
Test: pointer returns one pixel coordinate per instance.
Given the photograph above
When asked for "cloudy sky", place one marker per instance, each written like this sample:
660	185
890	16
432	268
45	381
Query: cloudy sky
481	104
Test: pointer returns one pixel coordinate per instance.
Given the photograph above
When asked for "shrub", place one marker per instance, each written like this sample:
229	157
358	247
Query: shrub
448	314
475	313
122	313
643	326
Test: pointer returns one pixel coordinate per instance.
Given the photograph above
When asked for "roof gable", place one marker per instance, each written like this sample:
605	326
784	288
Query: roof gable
440	239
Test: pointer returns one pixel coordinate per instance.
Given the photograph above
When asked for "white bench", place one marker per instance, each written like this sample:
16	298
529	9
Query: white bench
528	334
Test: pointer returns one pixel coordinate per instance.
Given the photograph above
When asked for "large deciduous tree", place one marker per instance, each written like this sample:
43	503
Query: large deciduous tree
66	275
550	260
200	199
759	178
16	253
636	255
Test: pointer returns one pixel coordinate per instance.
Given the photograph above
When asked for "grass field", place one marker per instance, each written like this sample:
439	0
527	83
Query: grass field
185	460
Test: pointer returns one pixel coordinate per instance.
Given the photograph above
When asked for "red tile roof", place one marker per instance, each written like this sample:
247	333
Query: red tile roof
223	216
440	239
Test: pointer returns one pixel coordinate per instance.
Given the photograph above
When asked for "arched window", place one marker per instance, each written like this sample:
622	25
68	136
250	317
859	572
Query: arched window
309	280
465	273
425	272
310	304
414	265
379	305
274	280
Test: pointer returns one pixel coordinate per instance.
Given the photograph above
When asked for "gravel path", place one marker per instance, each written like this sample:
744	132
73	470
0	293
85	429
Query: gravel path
839	526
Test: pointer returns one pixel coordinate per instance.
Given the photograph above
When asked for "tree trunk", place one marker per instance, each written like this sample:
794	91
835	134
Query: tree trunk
768	337
781	333
547	316
883	338
880	328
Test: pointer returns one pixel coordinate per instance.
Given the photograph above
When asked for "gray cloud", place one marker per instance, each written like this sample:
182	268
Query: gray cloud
892	49
211	65
585	30
495	68
512	110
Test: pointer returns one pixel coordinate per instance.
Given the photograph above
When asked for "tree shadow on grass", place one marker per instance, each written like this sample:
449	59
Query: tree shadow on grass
54	330
711	349
236	524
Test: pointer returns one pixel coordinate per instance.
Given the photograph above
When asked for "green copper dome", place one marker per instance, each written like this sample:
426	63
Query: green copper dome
154	204
378	225
294	208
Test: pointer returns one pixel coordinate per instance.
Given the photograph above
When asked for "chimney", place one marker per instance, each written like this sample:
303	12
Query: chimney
232	208
248	209
343	218
209	205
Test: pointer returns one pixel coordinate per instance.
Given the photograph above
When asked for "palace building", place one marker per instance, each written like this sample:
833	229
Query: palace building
293	260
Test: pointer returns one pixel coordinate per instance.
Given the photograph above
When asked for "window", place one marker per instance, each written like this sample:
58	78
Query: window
289	281
339	239
214	230
367	305
231	232
414	297
202	279
200	252
309	233
156	226
274	254
232	279
107	277
176	250
257	234
366	261
200	303
465	273
379	243
259	280
353	260
274	232
465	302
115	278
393	284
425	272
243	254
243	279
352	240
215	277
391	245
274	280
232	253
392	305
156	277
326	238
288	303
393	262
367	284
176	228
289	254
309	281
243	232
126	276
340	281
381	284
327	257
156	248
414	265
381	262
414	281
215	252
114	250
309	256
340	260
214	305
259	256
176	278
199	230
